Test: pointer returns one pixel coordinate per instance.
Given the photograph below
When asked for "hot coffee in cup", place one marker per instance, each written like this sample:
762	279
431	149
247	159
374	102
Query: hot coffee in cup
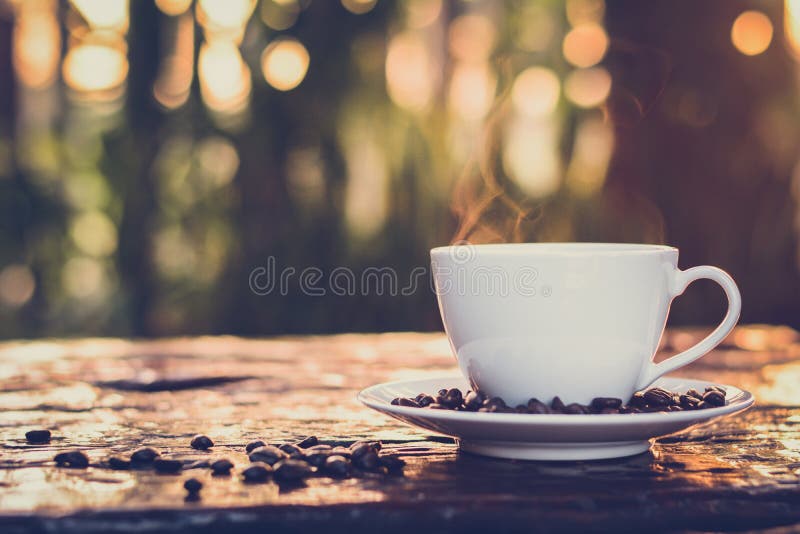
577	320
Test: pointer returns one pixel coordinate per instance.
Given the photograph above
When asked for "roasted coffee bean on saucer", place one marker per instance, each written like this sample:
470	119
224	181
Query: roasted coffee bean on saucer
163	465
75	458
38	436
257	472
714	397
222	466
201	442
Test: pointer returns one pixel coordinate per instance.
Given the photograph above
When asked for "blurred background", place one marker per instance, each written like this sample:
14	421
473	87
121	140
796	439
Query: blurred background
154	152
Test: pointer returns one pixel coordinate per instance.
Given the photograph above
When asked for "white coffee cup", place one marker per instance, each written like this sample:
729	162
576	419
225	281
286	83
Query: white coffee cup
574	320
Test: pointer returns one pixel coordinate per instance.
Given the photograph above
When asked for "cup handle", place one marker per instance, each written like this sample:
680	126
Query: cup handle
680	282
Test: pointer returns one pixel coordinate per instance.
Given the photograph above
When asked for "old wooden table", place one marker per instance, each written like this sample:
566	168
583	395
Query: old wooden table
110	396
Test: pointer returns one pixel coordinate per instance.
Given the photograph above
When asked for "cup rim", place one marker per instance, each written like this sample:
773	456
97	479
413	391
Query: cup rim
568	248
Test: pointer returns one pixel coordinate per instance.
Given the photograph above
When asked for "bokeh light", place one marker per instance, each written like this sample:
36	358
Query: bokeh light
95	68
17	285
173	7
536	91
279	14
472	38
224	18
791	26
587	87
224	77
174	82
359	7
594	143
84	278
472	90
751	33
411	77
37	44
585	45
421	13
104	14
94	233
530	155
284	64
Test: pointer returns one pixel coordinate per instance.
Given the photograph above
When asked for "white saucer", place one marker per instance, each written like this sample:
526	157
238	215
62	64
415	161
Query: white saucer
549	436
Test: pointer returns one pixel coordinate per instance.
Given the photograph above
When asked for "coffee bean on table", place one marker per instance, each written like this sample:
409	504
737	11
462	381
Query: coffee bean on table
253	445
192	485
367	460
201	442
291	470
144	456
267	454
391	462
118	464
714	397
337	466
38	436
308	442
222	466
74	458
163	465
317	458
658	397
257	472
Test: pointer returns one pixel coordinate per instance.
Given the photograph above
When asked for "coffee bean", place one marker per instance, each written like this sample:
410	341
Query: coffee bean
630	409
144	456
38	436
557	405
694	393
267	454
341	451
714	397
167	466
702	405
575	408
290	449
192	485
598	404
253	445
291	470
119	464
537	407
425	400
716	388
658	397
361	448
391	462
319	448
494	404
308	442
453	398
257	472
201	442
637	400
521	408
688	402
409	403
396	401
222	466
472	401
367	461
74	458
441	392
317	458
337	466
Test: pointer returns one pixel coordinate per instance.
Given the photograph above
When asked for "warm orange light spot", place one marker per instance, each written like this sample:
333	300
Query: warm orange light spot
410	73
791	20
751	33
471	37
359	7
421	13
174	82
471	90
588	87
224	77
105	14
535	91
17	285
173	7
225	17
284	64
585	45
37	45
95	68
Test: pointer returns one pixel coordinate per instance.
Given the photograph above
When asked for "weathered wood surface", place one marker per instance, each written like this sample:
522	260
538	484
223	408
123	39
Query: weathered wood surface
111	396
